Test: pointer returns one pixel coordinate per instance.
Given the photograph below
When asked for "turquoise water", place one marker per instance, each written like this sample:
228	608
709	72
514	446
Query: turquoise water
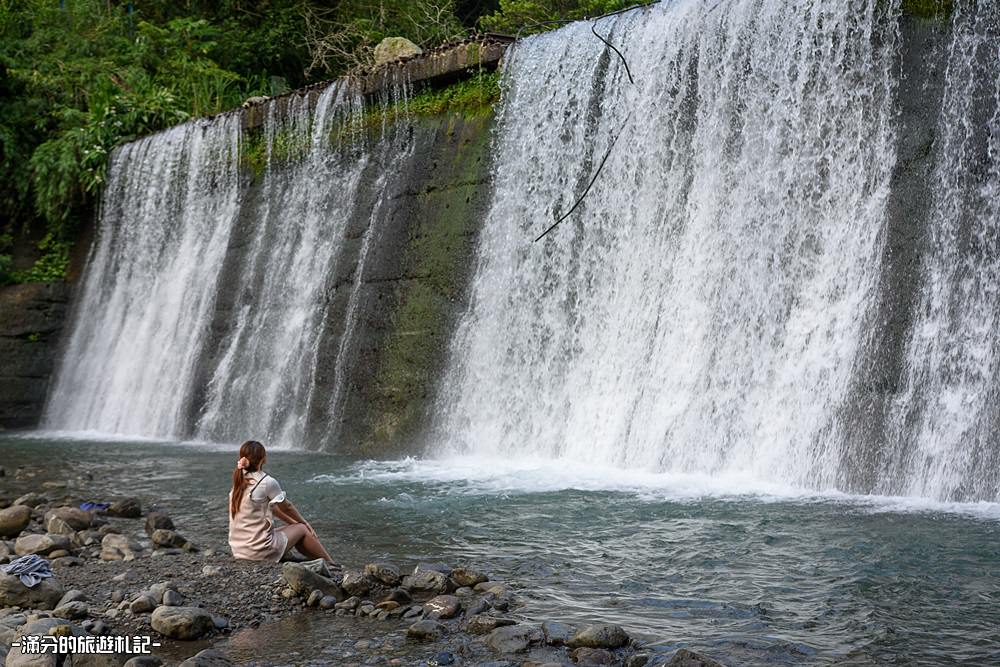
747	573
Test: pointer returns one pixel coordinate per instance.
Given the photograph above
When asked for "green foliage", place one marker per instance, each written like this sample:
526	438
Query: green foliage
6	241
523	16
474	96
52	265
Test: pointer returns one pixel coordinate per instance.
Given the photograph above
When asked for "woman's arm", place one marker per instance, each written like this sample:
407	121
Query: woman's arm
281	514
287	508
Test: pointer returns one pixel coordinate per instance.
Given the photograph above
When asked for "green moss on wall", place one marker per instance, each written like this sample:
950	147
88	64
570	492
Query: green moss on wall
928	9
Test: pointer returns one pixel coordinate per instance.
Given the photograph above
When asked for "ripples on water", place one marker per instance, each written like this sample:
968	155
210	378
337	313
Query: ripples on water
750	573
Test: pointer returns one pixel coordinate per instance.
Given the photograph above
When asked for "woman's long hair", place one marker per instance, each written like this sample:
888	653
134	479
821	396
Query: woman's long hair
252	454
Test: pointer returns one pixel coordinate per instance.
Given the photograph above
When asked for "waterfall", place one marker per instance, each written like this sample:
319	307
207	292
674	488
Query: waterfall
206	303
707	308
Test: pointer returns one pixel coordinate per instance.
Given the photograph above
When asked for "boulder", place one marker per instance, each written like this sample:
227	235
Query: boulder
686	658
391	49
556	634
426	631
443	606
46	594
13	520
118	547
599	635
182	622
158	521
588	657
387	573
40	544
304	581
514	638
210	657
73	517
126	508
482	624
355	583
428	581
464	576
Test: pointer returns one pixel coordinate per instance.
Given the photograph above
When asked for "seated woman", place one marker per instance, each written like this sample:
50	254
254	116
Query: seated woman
254	497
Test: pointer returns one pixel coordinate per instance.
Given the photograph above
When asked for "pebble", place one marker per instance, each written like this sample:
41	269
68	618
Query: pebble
211	570
172	598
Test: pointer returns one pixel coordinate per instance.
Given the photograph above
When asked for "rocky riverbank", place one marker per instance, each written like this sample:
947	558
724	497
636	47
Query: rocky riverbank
126	569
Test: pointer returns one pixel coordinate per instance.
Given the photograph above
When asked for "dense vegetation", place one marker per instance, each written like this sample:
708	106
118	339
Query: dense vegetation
79	77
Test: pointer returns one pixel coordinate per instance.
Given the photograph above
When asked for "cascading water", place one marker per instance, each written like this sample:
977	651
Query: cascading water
706	309
206	299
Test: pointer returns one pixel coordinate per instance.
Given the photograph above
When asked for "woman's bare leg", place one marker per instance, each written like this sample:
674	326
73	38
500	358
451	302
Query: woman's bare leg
305	542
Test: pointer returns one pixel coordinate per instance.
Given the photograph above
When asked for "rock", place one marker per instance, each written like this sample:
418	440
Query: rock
329	602
637	660
167	538
66	561
117	596
36	628
388	605
40	544
142	604
686	658
443	606
59	553
126	508
391	49
556	634
182	622
304	581
158	589
220	623
71	610
314	598
482	624
318	566
466	577
425	631
514	638
252	101
414	612
210	657
497	588
46	594
158	521
30	500
72	596
74	517
599	635
441	659
118	547
14	519
211	570
477	607
428	581
172	599
387	573
143	661
355	583
593	656
350	603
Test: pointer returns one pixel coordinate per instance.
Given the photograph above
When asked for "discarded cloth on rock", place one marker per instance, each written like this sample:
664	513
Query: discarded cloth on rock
31	569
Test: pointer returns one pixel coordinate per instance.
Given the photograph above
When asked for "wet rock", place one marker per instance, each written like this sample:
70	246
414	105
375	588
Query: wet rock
400	595
477	607
142	604
172	598
483	625
599	635
638	660
387	573
14	519
43	595
416	611
182	622
686	658
314	598
514	638
118	547
304	581
355	583
426	631
467	577
497	588
428	581
388	605
71	610
210	657
556	634
593	656
30	500
443	606
126	508
72	518
350	603
158	521
391	49
328	602
40	544
442	659
162	537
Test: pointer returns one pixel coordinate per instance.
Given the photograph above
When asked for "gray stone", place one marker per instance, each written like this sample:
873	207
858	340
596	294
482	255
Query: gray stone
14	519
172	599
352	602
599	635
158	521
637	660
211	570
40	544
39	627
73	595
142	604
43	595
167	538
355	583
400	595
210	657
464	576
314	598
556	634
127	508
686	658
514	638
30	500
426	631
182	622
392	49
304	581
443	606
588	657
387	573
71	610
65	562
329	602
72	517
143	661
118	547
481	624
416	611
428	581
158	589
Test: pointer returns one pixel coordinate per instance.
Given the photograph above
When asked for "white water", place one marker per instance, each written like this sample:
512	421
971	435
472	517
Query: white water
704	309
